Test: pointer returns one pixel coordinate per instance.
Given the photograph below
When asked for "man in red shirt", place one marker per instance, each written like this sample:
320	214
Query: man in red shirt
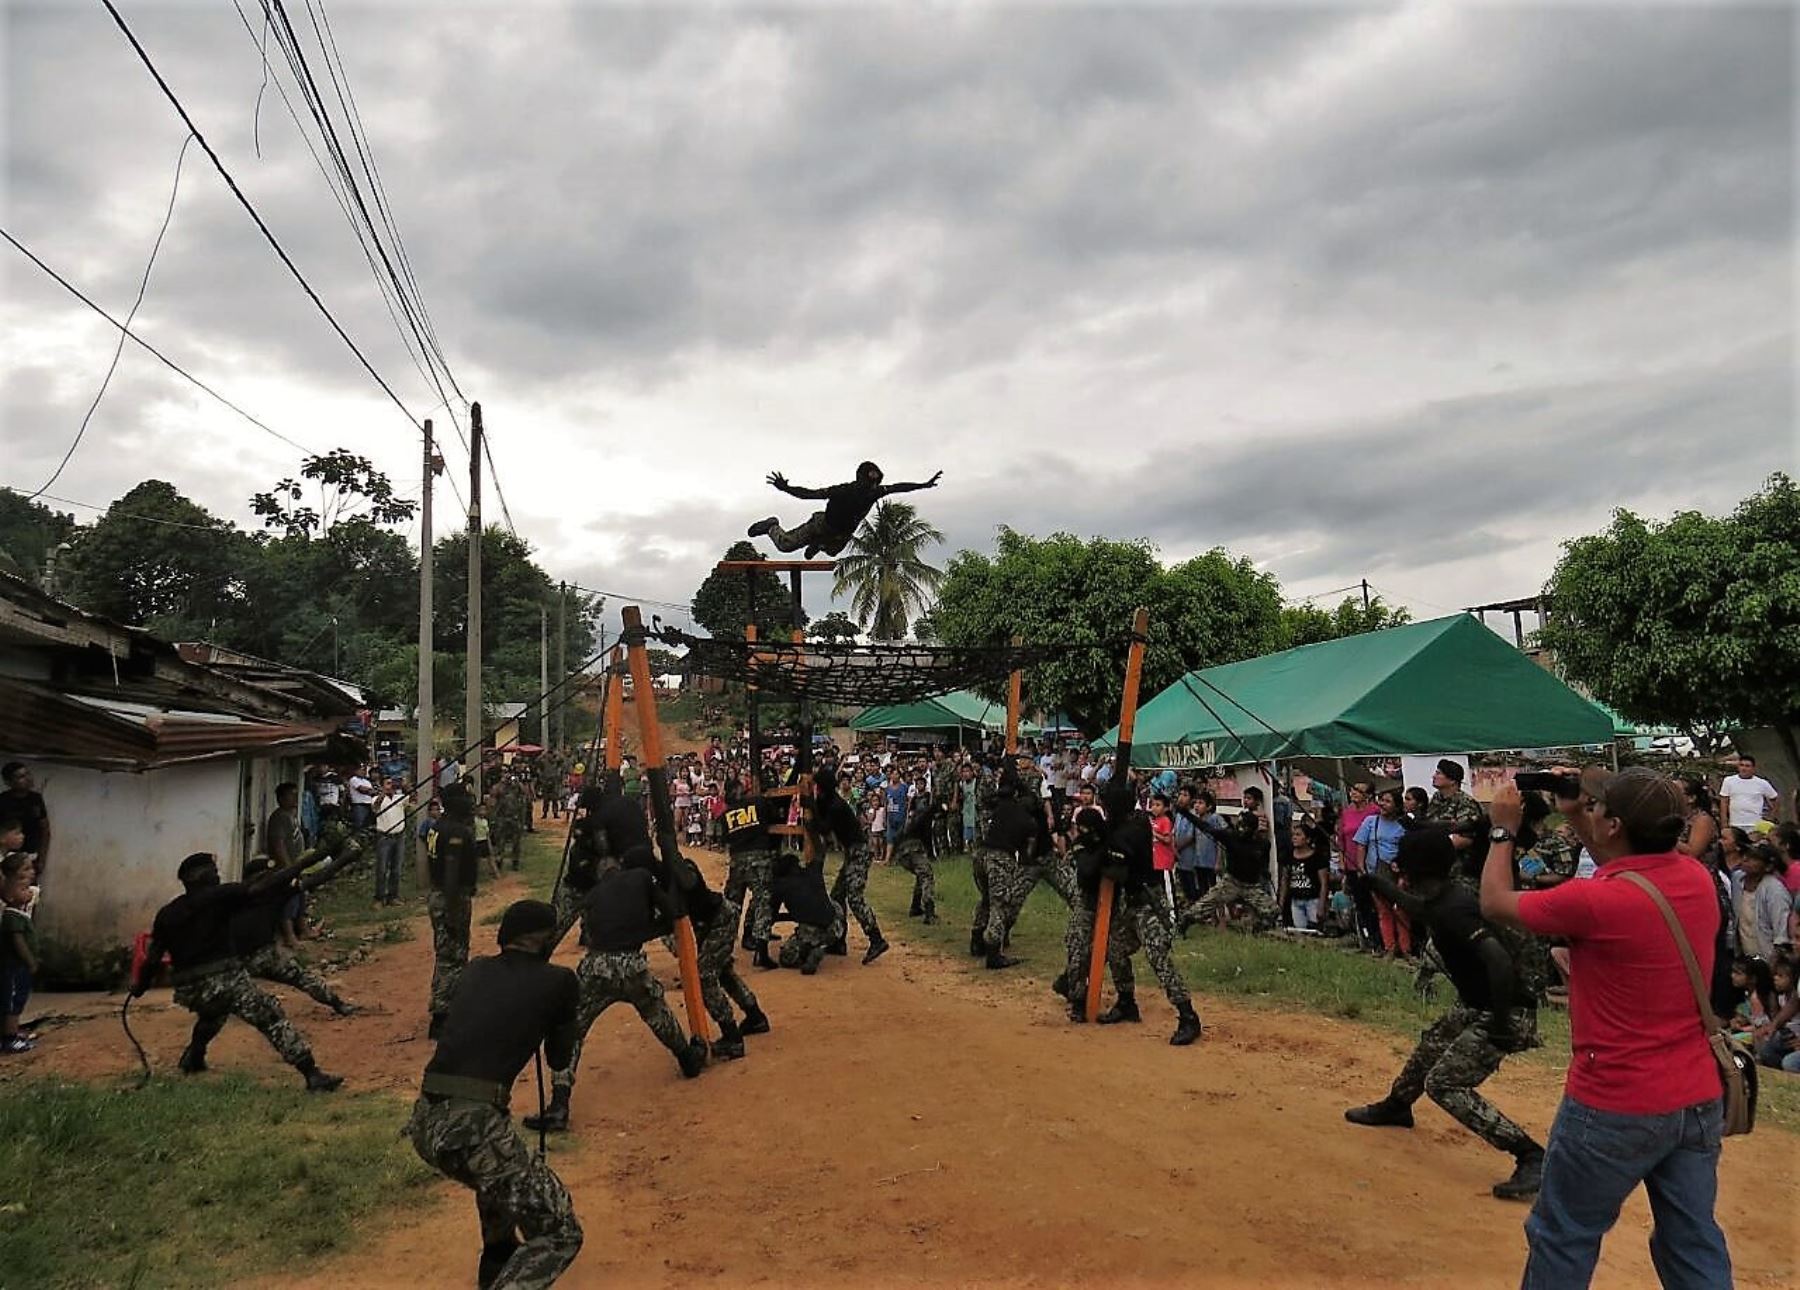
1642	1100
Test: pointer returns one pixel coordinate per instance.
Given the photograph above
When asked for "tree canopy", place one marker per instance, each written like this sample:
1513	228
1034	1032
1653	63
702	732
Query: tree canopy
1691	622
1308	624
885	573
721	604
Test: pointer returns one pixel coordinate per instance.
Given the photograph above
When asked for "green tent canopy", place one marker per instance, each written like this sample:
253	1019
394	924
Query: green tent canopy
959	710
1448	685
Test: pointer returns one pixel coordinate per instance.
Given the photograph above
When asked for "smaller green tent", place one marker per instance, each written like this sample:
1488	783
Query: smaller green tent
945	714
1447	685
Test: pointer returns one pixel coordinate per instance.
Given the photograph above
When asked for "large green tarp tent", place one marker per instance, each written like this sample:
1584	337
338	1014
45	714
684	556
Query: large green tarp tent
945	714
1448	685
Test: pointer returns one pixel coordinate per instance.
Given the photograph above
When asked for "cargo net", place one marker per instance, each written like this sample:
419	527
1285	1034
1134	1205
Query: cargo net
865	675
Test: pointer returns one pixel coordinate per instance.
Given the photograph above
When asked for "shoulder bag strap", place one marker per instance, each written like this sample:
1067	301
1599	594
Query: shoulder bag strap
1681	942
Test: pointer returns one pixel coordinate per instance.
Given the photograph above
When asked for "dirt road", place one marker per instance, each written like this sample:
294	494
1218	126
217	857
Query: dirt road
915	1123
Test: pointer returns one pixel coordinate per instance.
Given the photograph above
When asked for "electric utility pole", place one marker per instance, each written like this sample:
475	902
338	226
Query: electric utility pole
472	713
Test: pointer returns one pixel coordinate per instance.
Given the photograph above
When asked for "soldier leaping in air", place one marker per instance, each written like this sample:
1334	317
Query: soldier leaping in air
846	506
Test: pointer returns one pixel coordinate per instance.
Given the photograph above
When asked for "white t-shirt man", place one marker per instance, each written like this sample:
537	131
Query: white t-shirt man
1745	796
362	792
390	813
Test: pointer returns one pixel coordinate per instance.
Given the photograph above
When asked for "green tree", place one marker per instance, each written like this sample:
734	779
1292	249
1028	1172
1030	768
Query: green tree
1307	624
157	560
1693	622
722	605
29	532
1062	590
834	629
349	487
885	573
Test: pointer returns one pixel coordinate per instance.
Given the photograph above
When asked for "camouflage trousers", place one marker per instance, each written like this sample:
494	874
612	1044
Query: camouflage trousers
516	1193
450	913
915	858
720	983
231	993
1455	1054
751	874
808	941
619	976
981	862
568	904
1010	884
851	889
1229	891
281	967
1140	921
509	838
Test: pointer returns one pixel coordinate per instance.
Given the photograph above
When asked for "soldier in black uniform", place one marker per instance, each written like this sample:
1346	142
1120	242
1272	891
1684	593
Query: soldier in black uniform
752	848
715	922
255	930
210	981
505	1007
846	506
834	818
914	854
589	858
798	893
1017	839
1495	1013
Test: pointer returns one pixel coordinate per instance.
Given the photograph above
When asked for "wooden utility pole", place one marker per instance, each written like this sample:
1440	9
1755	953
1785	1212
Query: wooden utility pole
472	713
426	776
562	661
543	703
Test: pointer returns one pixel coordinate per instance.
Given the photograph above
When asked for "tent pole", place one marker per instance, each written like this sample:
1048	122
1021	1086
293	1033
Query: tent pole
1134	673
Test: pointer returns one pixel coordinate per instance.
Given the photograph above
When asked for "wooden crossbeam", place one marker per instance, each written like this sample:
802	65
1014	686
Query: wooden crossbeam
776	566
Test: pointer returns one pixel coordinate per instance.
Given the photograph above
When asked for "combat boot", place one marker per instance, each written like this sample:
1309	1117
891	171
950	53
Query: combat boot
839	947
555	1117
192	1061
1187	1030
930	918
344	1008
756	1022
977	944
877	948
761	958
317	1081
729	1046
999	959
692	1058
1385	1114
1527	1177
495	1255
815	959
1061	985
1078	1009
1124	1009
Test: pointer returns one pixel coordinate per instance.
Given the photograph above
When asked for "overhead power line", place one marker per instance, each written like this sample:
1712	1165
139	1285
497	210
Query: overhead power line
118	349
148	348
262	226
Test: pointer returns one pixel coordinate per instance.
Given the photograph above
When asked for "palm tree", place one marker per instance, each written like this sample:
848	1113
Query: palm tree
884	574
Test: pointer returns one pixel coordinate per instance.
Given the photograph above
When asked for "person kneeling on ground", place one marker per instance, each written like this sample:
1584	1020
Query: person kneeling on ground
1495	1013
504	1008
798	894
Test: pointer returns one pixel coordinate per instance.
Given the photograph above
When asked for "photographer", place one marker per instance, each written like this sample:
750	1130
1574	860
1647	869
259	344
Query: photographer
1495	1013
1642	1099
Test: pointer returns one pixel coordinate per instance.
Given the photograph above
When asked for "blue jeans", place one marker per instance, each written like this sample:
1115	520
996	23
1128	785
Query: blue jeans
1596	1159
389	848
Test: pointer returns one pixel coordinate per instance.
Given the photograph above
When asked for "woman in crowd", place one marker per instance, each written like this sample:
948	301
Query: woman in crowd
1702	829
1762	903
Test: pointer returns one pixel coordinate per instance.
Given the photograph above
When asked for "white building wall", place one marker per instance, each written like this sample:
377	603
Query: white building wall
117	839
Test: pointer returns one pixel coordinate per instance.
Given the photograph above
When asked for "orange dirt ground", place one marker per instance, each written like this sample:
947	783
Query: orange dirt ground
916	1123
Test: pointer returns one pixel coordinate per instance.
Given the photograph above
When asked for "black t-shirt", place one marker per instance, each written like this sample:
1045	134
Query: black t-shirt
625	909
453	856
1015	825
833	817
195	927
798	892
31	813
620	819
847	505
1457	927
1246	854
505	1005
921	819
1128	842
1303	876
747	823
587	848
256	922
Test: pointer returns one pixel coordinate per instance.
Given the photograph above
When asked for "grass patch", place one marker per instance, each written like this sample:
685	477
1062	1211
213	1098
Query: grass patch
1319	977
188	1182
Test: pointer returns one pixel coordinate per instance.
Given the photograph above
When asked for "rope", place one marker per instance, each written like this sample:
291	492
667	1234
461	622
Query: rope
142	1056
592	759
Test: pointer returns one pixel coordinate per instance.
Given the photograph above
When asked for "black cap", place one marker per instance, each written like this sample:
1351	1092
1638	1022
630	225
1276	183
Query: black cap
1451	770
523	917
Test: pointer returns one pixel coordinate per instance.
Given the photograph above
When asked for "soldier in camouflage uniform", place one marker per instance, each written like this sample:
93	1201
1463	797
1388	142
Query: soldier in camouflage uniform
627	908
1452	809
194	930
511	813
451	869
913	854
506	1006
748	818
835	820
1497	985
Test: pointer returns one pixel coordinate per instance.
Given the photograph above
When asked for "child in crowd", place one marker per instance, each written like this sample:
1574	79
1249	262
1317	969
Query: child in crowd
1755	987
18	950
878	830
484	840
1778	1043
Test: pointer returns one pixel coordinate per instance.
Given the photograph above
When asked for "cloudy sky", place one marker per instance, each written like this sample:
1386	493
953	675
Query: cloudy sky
1407	293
